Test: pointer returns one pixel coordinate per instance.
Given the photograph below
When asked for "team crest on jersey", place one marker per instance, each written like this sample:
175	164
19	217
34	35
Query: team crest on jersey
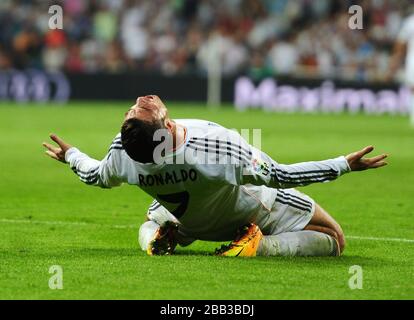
260	167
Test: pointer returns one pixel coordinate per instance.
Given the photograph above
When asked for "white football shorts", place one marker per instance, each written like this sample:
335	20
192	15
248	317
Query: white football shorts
291	211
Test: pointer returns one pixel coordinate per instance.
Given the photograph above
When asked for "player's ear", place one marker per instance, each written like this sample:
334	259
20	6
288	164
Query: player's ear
169	124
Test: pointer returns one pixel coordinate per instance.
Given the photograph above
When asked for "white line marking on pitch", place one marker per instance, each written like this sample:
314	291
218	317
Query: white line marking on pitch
379	239
119	226
67	223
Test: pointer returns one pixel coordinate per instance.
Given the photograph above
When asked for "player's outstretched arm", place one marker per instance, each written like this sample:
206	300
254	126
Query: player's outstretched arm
301	174
306	173
90	171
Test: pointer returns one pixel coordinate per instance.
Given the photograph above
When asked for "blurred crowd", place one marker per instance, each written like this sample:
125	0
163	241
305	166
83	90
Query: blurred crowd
306	38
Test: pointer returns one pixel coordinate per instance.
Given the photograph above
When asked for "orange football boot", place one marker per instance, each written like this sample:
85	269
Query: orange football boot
245	244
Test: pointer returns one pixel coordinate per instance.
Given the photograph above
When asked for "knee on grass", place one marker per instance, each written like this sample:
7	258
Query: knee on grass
339	237
335	232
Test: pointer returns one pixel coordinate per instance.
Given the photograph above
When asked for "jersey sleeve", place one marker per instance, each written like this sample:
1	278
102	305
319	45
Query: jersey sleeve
242	164
263	170
105	173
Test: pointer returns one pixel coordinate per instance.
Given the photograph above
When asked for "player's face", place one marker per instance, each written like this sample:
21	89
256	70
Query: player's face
147	108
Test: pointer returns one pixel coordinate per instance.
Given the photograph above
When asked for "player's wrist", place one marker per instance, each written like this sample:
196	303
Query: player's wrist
343	164
348	166
69	153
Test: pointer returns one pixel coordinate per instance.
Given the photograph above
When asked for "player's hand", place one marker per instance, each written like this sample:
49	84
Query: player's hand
57	153
358	163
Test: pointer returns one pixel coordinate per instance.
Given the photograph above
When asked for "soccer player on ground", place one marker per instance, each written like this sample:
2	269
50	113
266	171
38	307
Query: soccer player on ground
209	184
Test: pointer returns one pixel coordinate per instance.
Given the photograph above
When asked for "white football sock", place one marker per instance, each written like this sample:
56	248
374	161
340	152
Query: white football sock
147	233
300	243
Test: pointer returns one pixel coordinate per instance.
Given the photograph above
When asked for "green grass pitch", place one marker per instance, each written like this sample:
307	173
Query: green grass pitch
48	217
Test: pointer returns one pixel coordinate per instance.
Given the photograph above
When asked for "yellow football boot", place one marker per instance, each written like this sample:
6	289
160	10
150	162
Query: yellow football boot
245	244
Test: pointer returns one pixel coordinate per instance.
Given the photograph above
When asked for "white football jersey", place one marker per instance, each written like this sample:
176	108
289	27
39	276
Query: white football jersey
212	184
